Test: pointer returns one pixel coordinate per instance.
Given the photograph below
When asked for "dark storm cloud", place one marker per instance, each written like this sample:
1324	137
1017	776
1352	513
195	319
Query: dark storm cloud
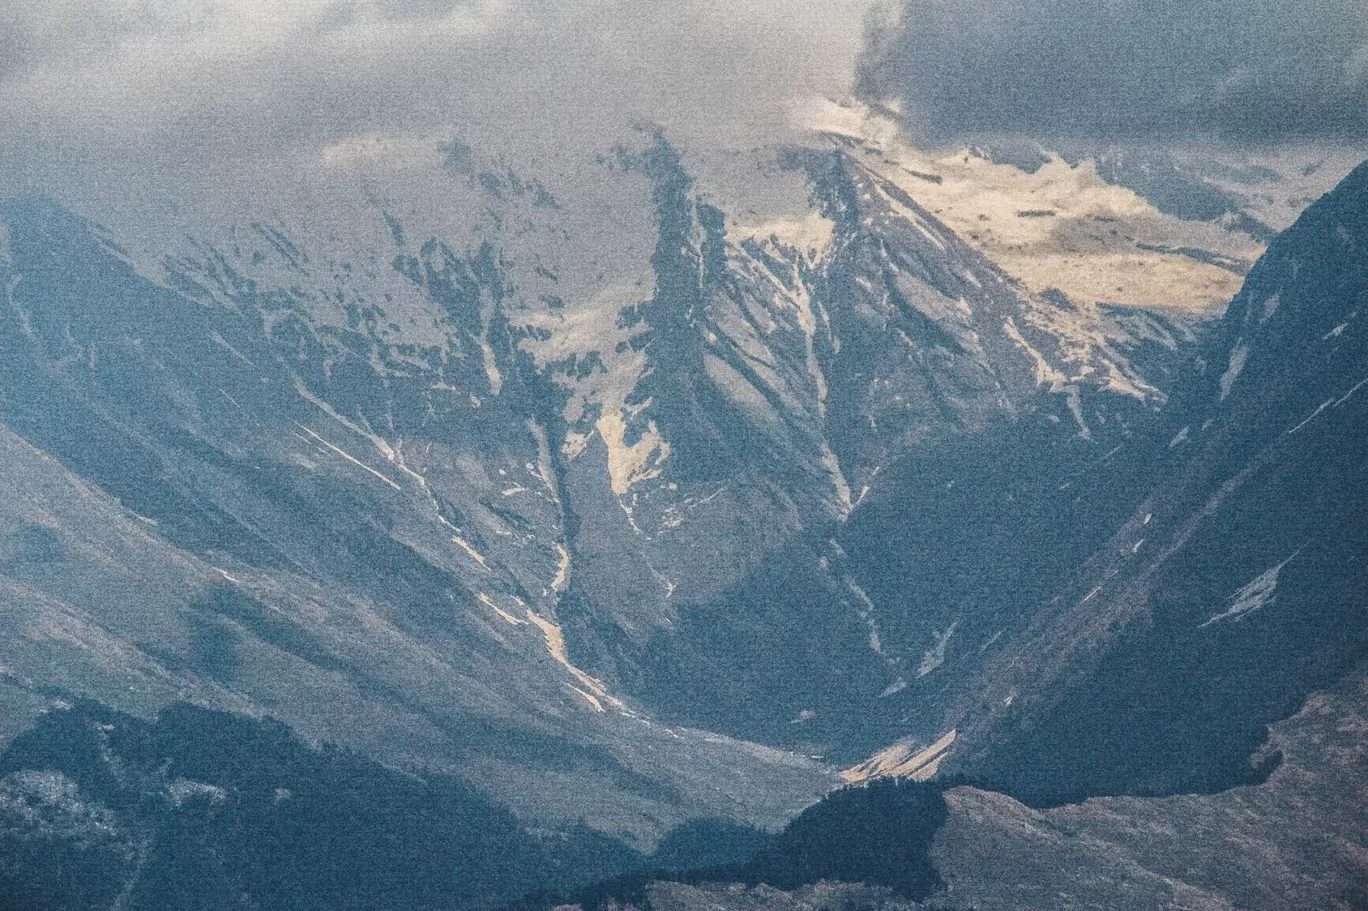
1251	70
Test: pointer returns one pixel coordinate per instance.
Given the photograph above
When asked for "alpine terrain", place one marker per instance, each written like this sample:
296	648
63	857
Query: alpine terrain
511	534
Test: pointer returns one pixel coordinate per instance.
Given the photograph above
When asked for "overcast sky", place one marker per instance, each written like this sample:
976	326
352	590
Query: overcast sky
119	96
1247	71
99	93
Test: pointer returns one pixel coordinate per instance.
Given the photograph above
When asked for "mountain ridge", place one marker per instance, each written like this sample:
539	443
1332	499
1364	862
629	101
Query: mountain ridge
683	528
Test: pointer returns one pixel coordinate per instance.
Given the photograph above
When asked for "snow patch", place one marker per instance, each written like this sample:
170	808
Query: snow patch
739	389
555	645
935	656
629	465
902	760
394	456
810	236
222	342
1339	330
1076	409
545	472
838	479
866	612
183	789
796	293
491	366
1350	394
346	455
593	700
1324	405
562	570
474	554
1270	307
820	115
1045	373
509	618
1253	597
1331	403
1238	358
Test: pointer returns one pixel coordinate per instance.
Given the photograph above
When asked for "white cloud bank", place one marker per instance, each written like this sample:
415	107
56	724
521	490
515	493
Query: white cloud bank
120	97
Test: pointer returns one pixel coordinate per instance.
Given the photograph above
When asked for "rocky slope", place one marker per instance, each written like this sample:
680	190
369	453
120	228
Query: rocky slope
1296	840
1204	667
656	494
228	502
467	482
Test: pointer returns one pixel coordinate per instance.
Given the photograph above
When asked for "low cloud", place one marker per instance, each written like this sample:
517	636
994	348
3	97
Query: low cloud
1252	71
124	97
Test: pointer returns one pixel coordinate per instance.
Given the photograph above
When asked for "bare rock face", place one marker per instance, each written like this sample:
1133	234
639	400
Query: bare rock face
680	897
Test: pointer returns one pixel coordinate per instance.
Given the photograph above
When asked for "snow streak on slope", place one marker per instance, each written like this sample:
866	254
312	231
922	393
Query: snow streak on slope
903	760
1253	597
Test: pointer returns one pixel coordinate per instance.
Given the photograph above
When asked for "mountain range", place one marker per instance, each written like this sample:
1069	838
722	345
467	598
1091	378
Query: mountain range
582	526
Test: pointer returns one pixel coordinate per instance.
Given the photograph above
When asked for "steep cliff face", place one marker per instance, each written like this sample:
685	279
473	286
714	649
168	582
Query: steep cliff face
960	412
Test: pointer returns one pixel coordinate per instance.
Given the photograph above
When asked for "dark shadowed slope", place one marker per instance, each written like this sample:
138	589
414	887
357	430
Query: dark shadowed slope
1238	587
